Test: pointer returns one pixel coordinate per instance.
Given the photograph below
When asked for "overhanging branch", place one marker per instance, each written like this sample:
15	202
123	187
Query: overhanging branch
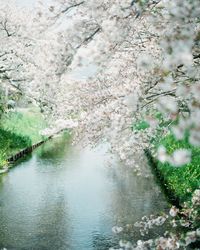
90	37
72	6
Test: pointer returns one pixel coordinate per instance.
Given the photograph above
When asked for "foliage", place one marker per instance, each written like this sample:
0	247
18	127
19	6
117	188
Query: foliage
18	131
141	125
26	123
182	181
146	54
10	140
10	143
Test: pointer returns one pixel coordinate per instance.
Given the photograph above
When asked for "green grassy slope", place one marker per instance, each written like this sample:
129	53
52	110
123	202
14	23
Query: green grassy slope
19	130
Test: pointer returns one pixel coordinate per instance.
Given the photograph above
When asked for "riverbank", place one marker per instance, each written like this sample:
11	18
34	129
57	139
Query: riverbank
19	132
181	186
179	182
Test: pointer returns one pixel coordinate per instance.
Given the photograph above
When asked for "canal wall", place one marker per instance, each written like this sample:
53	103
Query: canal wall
25	152
160	178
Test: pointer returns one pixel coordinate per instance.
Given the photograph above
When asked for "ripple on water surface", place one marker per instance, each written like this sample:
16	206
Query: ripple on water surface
62	197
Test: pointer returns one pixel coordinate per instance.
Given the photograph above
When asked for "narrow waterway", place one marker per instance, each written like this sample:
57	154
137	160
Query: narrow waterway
64	197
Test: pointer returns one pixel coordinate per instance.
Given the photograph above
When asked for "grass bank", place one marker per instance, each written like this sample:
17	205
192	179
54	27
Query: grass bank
179	182
182	181
19	130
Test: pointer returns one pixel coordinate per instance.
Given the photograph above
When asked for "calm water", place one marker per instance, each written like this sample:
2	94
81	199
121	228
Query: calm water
63	197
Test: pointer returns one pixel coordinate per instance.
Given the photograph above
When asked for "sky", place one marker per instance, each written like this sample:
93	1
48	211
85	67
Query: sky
29	3
26	3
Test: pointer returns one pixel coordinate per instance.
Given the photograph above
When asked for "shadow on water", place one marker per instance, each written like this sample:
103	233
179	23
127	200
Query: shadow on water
62	197
56	150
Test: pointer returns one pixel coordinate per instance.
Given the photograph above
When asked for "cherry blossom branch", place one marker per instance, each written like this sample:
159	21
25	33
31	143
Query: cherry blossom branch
72	6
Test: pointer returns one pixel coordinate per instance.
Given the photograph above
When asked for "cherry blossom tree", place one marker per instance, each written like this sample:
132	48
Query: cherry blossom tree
147	57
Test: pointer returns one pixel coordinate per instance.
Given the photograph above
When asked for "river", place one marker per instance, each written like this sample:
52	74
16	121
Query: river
63	197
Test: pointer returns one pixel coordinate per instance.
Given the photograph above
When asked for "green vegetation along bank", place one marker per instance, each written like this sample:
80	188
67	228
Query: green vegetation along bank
19	130
181	181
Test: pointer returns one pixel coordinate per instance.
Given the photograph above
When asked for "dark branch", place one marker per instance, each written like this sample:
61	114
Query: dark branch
5	28
171	92
72	6
89	38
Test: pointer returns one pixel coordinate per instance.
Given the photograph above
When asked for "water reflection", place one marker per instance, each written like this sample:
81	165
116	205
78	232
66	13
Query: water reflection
66	198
